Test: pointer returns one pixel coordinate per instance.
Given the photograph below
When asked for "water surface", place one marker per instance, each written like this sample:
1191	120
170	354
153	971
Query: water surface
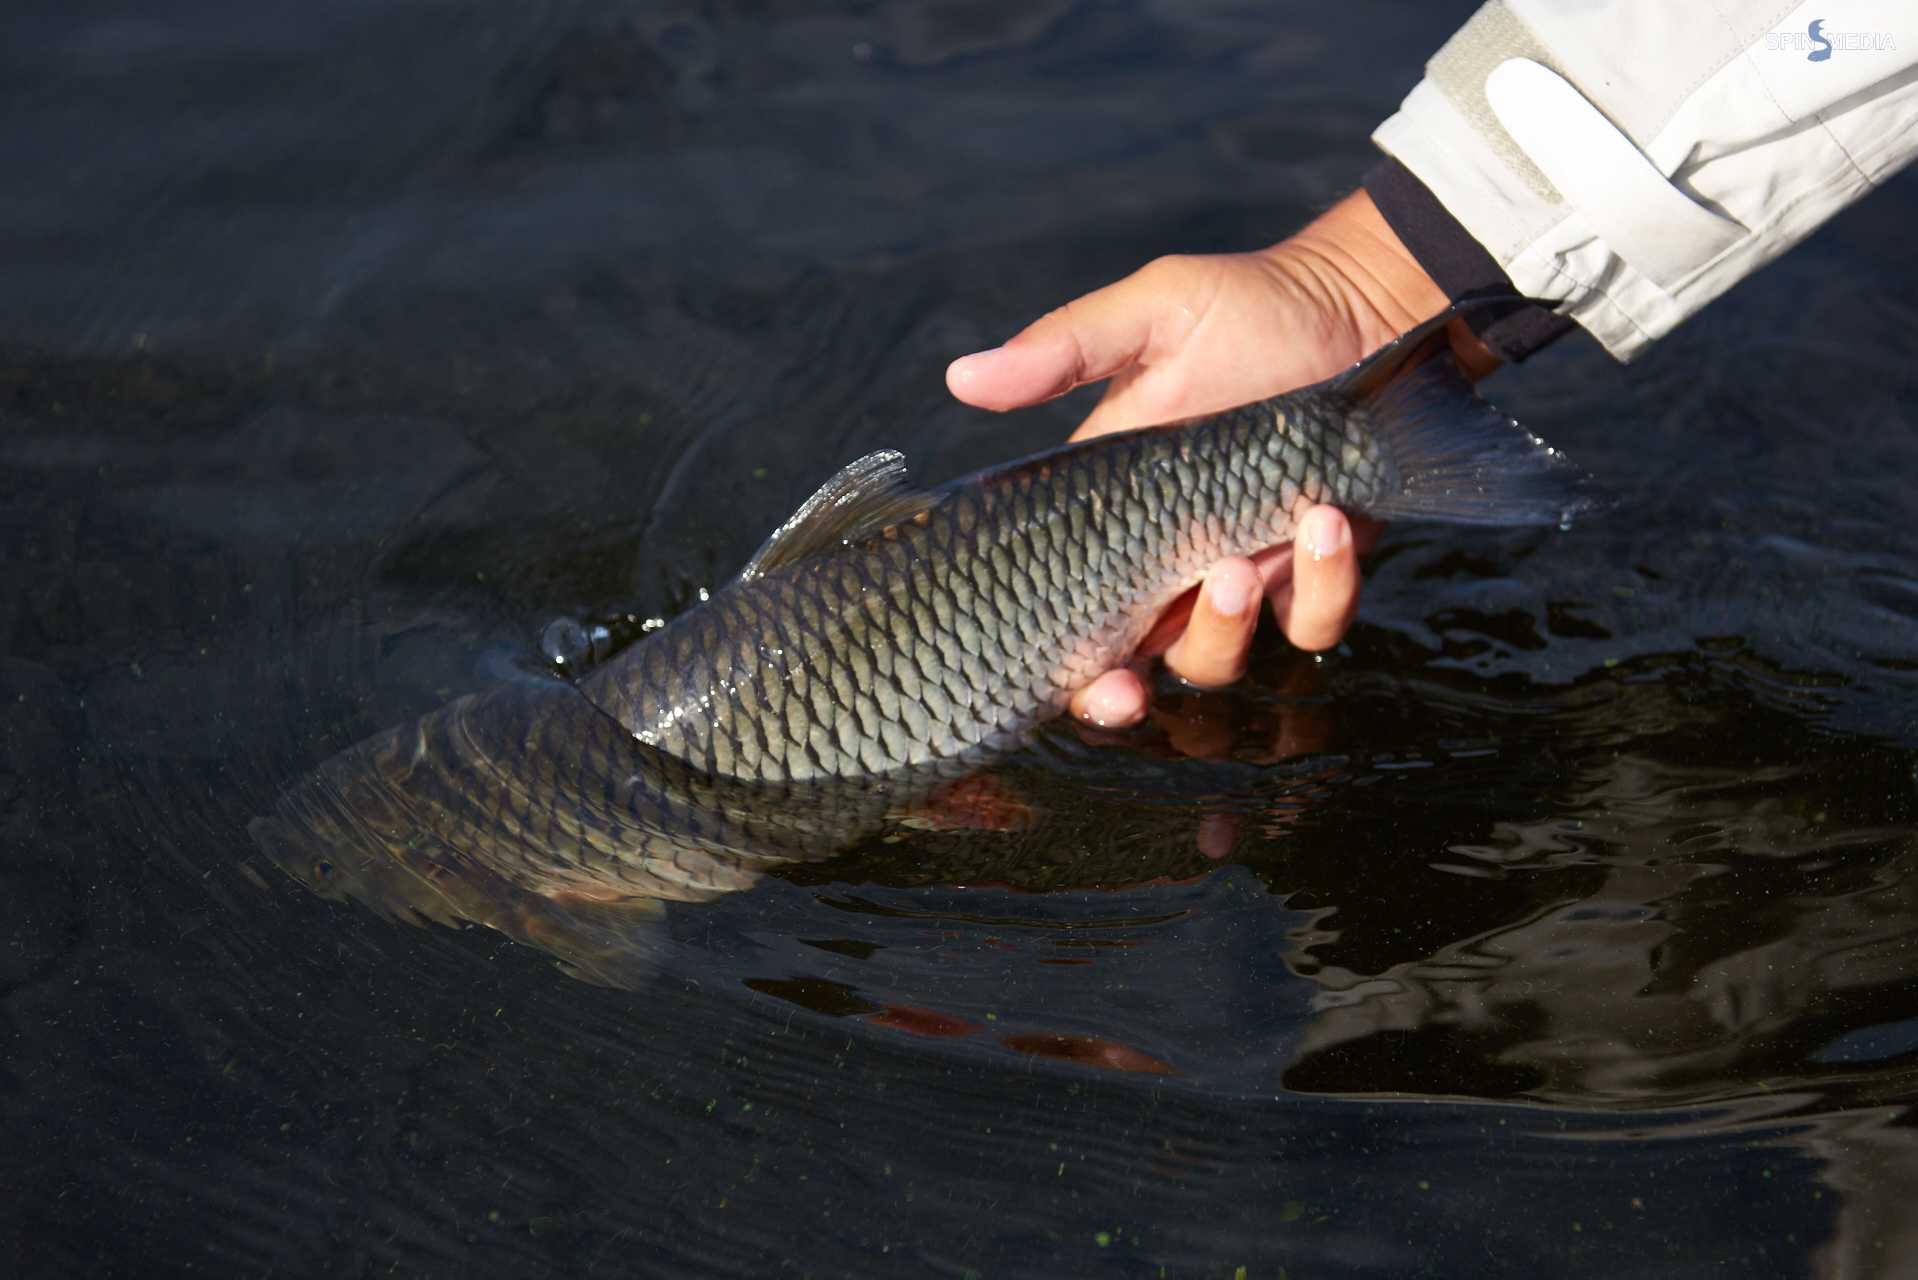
1565	918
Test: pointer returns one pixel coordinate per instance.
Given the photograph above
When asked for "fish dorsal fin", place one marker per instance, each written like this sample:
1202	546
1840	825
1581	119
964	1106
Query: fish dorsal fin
855	504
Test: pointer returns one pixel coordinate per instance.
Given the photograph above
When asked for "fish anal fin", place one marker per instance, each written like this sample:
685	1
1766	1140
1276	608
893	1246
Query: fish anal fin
858	503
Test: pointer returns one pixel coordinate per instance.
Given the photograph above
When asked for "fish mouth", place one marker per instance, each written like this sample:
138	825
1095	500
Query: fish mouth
342	870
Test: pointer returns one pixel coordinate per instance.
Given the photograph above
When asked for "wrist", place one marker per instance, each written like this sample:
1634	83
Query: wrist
1361	268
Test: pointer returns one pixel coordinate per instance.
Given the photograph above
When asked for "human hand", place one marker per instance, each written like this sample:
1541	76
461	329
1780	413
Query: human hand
1293	721
1186	336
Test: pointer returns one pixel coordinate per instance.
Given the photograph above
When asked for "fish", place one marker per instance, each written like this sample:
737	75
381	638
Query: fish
885	639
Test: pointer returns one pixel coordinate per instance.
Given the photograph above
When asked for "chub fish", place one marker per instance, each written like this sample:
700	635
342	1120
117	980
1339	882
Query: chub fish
885	637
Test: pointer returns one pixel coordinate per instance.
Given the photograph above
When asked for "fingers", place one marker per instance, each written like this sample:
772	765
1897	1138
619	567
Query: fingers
1212	650
1116	700
1314	590
1313	585
1017	374
1218	834
1317	605
1103	333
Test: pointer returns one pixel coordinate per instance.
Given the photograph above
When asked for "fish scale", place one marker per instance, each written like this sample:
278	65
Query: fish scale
958	610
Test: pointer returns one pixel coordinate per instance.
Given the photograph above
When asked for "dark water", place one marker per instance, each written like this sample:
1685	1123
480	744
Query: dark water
1564	920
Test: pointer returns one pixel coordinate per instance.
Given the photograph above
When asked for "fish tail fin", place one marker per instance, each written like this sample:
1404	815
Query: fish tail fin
1454	457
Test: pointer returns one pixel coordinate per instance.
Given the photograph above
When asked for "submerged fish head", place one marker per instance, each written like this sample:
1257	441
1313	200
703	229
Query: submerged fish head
357	829
344	836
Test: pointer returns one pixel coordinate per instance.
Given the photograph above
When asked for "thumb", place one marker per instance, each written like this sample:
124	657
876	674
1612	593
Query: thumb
1084	341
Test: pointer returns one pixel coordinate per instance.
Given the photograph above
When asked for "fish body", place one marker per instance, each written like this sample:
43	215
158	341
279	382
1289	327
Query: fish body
884	638
956	620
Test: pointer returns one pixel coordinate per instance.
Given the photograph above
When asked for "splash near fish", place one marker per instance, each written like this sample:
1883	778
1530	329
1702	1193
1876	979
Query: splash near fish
886	639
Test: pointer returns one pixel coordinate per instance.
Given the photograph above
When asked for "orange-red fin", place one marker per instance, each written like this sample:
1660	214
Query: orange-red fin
977	802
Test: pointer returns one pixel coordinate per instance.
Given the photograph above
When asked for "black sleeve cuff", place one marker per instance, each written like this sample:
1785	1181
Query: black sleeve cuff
1458	264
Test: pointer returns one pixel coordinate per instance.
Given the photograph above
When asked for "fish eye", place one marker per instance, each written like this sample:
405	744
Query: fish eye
323	870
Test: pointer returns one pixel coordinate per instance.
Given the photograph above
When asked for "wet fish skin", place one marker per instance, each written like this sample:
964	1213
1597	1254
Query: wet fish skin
948	633
526	791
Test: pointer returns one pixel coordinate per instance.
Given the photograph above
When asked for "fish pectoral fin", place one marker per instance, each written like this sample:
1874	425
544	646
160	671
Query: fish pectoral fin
979	801
862	499
609	942
635	905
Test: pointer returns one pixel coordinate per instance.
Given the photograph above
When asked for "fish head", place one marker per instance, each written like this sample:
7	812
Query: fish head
344	834
352	831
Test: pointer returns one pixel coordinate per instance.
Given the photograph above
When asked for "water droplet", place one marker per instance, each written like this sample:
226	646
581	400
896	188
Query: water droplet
565	643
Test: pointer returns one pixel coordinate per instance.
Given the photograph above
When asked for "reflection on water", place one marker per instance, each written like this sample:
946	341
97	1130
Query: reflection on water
1592	894
1561	921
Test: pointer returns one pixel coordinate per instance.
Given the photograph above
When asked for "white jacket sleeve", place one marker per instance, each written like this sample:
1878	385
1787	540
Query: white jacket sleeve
1631	160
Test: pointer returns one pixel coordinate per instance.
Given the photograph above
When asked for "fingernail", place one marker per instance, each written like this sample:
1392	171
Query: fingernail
1324	533
966	368
1228	596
